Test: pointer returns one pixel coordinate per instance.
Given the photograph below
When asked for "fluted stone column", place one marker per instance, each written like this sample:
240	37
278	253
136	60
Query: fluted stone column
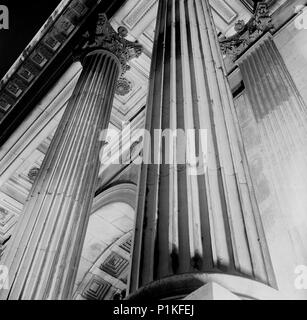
44	253
281	116
192	229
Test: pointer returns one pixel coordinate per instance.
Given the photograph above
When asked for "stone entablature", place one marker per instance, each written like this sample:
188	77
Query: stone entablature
42	50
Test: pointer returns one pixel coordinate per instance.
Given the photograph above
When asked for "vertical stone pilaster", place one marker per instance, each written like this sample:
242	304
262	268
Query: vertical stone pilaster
44	253
281	117
193	228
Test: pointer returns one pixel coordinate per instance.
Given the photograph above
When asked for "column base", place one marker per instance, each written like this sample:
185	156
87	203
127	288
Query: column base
181	286
212	291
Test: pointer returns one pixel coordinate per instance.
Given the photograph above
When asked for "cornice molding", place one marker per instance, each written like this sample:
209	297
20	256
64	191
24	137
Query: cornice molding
42	50
52	41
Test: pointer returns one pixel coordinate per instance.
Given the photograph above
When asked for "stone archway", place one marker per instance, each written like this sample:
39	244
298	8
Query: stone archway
110	226
107	278
123	192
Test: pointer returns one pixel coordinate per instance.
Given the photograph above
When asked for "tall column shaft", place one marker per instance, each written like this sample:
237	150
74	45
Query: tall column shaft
190	225
45	250
281	116
44	253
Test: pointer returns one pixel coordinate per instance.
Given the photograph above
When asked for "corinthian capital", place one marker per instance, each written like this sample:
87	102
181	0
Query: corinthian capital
105	37
247	33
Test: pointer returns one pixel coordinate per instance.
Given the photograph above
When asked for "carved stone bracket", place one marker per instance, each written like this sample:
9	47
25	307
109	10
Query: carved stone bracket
247	33
105	37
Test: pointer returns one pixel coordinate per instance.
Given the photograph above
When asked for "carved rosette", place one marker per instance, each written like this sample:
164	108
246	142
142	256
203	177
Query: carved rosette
32	174
3	214
123	86
105	37
247	33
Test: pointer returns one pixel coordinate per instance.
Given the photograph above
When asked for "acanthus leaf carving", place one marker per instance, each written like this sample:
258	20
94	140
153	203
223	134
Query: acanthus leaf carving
105	37
247	33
